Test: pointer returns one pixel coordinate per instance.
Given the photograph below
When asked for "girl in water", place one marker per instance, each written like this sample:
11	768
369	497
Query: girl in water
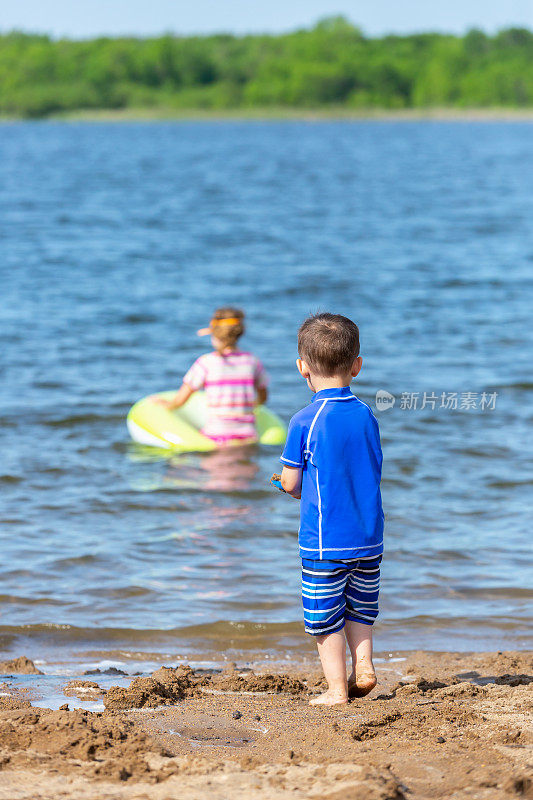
234	382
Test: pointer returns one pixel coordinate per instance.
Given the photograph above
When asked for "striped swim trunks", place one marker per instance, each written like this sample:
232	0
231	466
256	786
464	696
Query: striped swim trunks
334	591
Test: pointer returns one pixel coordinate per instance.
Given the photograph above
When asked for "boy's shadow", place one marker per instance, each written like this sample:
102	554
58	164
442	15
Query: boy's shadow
508	679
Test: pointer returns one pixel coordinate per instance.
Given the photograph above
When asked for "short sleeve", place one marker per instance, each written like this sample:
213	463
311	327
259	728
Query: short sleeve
375	439
260	376
195	377
293	452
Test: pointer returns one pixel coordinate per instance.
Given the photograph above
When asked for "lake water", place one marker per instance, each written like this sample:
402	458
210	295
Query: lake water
117	241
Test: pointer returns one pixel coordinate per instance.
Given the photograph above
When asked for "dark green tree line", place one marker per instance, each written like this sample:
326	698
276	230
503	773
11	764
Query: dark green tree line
332	64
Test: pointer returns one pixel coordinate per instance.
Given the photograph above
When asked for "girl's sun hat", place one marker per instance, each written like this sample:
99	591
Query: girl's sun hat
215	322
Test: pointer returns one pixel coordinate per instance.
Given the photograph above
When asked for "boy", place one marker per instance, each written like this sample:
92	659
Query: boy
332	461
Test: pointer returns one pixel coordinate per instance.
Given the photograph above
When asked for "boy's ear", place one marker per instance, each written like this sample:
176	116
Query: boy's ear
356	366
303	369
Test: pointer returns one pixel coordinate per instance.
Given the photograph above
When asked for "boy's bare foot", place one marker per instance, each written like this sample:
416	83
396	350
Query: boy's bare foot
362	683
329	698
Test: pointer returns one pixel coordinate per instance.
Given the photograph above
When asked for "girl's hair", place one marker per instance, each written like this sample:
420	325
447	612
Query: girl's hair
231	325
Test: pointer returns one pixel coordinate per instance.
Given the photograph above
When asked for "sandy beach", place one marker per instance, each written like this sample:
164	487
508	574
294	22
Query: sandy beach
438	725
286	113
300	114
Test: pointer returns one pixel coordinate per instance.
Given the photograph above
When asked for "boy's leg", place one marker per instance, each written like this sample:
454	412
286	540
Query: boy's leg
323	588
362	594
363	677
332	652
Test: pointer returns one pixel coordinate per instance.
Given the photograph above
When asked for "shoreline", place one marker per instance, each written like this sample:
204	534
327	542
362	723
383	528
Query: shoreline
438	725
333	114
71	650
76	661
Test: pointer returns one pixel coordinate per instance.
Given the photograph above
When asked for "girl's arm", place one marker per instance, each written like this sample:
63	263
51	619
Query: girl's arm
262	395
291	480
260	383
179	399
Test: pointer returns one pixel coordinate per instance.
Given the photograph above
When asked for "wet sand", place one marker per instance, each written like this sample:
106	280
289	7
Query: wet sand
438	725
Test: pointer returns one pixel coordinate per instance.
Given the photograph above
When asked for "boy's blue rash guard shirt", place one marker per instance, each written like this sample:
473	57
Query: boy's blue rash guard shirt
335	441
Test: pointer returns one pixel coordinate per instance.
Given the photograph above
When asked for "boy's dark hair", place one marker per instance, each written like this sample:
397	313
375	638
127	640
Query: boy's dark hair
328	343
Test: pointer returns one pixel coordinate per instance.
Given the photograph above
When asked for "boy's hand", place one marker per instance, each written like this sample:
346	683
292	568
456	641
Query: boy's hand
291	480
275	480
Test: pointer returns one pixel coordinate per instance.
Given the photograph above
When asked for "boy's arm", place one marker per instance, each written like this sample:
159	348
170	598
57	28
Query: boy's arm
291	480
179	399
293	459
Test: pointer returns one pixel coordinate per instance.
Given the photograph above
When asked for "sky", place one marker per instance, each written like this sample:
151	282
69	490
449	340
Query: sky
81	18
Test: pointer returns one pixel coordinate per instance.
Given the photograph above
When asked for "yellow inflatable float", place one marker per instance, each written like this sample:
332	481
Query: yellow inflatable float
152	424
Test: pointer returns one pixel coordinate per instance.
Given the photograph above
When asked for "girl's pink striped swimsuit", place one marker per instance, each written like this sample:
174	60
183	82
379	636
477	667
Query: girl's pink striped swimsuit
230	382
